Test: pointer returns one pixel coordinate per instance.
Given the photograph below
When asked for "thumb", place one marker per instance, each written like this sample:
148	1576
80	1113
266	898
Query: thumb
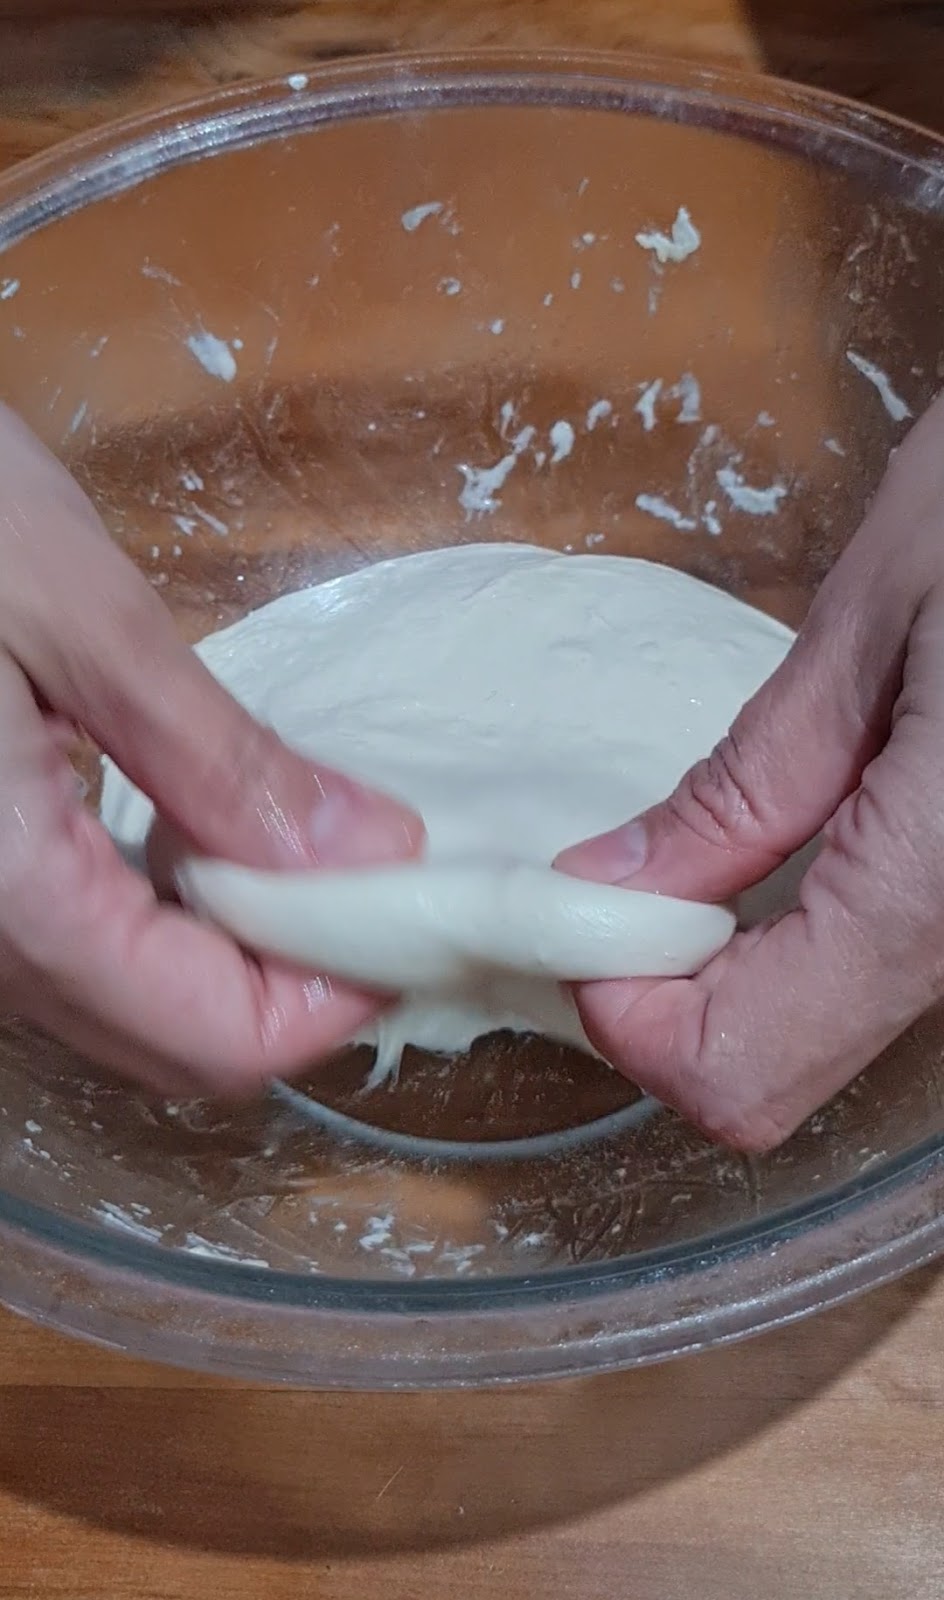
795	752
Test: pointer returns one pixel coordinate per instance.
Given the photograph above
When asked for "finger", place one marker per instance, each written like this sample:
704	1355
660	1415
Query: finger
793	754
175	1006
222	780
183	1011
154	993
790	1012
99	644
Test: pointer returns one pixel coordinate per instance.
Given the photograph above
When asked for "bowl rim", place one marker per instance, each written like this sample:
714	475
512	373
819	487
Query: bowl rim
118	156
123	152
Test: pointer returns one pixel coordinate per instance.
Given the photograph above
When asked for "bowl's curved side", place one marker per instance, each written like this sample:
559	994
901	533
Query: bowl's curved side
131	412
399	1340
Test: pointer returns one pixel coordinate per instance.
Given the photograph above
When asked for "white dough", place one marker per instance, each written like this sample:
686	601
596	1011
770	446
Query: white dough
520	701
434	928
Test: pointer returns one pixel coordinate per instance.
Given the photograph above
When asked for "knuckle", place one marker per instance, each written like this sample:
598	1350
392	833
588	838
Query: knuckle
235	1080
95	652
724	1099
255	1043
717	800
230	1067
750	1129
235	779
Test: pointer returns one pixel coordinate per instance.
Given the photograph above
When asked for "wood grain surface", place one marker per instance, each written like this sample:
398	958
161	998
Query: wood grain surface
807	1463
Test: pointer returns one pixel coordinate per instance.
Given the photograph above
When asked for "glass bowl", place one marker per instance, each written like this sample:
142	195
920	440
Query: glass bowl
273	333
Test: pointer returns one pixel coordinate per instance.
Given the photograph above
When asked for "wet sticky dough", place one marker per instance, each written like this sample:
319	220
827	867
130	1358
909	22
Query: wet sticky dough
519	700
434	928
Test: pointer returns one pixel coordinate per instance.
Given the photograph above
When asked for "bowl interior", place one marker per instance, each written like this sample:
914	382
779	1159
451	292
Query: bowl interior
274	337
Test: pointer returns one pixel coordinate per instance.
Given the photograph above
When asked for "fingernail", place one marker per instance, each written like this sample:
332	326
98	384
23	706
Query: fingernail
355	827
612	857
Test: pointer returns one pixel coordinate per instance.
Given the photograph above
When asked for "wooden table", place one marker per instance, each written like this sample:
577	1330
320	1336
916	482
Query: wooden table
808	1463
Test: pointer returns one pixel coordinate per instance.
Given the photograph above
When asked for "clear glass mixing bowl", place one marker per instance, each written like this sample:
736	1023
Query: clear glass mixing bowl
268	332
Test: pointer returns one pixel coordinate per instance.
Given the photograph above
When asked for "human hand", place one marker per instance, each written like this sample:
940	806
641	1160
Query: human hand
86	950
847	737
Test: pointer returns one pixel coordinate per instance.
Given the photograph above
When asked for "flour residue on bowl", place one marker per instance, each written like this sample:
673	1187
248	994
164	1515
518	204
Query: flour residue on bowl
897	408
677	245
746	497
655	505
417	215
215	355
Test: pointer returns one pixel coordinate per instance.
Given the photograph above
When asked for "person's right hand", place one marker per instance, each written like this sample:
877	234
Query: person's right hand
848	738
86	950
